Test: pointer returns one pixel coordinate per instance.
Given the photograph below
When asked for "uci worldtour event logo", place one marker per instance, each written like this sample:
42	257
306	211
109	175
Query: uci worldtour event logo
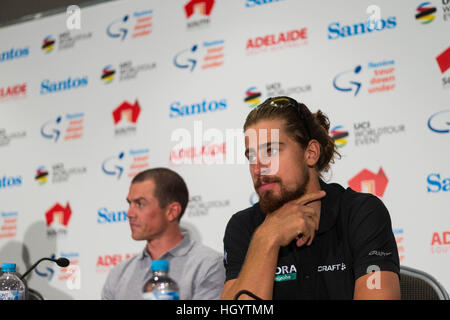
48	86
277	41
197	207
59	173
443	61
66	40
126	163
127	71
439	122
6	136
125	118
68	127
254	96
13	54
365	134
336	30
13	92
202	56
425	13
57	219
136	25
368	182
197	13
339	135
8	224
376	76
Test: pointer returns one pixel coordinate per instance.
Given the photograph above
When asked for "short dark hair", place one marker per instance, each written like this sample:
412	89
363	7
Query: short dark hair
318	126
169	187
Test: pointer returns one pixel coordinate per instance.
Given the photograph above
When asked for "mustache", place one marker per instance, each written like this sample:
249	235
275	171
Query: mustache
266	179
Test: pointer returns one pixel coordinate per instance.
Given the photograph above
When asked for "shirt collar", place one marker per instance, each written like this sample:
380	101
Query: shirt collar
181	249
330	204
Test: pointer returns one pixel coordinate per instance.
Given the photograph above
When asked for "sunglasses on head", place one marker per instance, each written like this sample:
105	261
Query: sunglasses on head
284	102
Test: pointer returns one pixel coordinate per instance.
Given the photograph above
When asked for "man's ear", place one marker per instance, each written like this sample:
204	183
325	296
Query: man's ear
173	211
312	153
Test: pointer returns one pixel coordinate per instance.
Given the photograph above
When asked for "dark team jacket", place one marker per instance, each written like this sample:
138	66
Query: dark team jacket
354	238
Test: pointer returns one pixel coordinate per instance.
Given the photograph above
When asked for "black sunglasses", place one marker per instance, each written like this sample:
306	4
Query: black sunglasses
284	102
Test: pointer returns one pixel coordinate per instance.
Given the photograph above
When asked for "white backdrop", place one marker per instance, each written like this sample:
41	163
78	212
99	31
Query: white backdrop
67	158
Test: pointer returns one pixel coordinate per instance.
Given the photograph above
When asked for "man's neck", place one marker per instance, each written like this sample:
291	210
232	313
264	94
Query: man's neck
314	186
159	246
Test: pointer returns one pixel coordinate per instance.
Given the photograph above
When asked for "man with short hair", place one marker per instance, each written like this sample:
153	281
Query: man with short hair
305	239
158	198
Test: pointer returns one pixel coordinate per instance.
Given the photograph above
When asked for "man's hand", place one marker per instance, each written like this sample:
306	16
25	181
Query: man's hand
295	219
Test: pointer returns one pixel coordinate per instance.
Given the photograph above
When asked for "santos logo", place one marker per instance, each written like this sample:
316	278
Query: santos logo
336	30
332	267
48	86
177	109
7	182
437	183
106	216
14	54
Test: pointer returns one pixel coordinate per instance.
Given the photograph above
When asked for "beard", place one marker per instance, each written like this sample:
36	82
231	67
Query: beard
270	202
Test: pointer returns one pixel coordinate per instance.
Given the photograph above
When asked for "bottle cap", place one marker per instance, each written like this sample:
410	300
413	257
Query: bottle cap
8	267
160	265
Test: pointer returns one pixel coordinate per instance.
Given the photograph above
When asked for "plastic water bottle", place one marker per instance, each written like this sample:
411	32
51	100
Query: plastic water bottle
160	286
11	287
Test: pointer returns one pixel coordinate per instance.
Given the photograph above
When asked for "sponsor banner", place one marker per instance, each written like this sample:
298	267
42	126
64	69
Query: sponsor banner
368	182
13	92
126	163
255	95
201	56
107	261
57	220
65	40
277	41
198	13
373	78
130	26
64	127
8	224
440	242
59	173
197	207
13	54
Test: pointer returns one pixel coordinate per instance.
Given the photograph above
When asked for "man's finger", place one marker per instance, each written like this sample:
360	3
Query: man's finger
310	197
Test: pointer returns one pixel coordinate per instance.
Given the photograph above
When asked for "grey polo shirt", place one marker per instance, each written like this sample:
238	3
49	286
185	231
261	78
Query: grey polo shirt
198	270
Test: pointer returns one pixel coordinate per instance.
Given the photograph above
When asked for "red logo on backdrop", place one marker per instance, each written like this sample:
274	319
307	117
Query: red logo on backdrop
203	7
106	262
15	91
213	153
281	40
369	182
127	111
58	214
443	60
440	242
57	219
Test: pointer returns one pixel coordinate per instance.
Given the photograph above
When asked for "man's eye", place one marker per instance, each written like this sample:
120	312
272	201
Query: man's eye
252	158
272	151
